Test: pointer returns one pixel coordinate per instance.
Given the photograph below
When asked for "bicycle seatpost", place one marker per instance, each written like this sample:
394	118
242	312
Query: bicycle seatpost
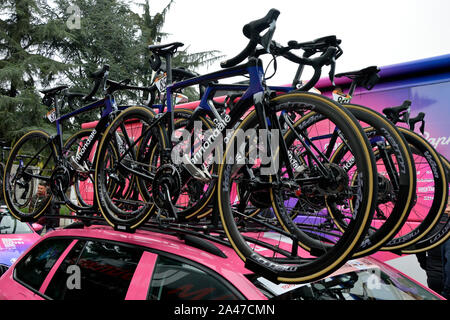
169	68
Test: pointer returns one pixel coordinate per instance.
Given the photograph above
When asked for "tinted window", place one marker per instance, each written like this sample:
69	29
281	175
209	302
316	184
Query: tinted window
58	285
33	269
9	225
369	284
3	269
105	271
176	280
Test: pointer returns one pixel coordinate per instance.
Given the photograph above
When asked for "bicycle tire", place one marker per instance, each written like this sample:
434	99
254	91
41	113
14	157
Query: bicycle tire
124	214
27	147
2	173
441	231
400	201
328	260
428	159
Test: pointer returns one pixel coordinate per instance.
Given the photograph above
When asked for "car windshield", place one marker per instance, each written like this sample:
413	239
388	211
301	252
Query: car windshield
368	284
9	225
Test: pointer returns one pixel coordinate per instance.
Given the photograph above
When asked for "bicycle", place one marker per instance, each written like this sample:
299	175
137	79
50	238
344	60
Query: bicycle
423	155
396	175
2	160
163	179
393	155
437	225
61	166
397	185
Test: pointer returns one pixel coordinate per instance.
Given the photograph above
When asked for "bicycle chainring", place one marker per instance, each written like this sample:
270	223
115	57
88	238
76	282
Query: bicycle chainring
167	177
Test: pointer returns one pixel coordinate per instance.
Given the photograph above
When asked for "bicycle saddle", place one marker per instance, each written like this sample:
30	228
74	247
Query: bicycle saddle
74	95
54	90
163	49
360	73
367	77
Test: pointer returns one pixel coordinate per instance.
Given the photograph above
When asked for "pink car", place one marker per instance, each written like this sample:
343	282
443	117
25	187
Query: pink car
94	262
15	238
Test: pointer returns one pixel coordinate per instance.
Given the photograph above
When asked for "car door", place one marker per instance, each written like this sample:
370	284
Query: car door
94	269
177	278
30	273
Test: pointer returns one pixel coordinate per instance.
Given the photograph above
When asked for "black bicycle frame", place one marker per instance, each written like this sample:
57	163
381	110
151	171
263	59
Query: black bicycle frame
109	108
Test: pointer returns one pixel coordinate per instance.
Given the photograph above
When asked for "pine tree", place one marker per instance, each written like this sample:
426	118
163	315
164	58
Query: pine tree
38	49
151	27
27	43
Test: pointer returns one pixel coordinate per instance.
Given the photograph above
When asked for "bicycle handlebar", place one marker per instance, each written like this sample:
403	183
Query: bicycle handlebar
98	76
394	113
420	118
401	114
317	45
329	46
326	58
252	30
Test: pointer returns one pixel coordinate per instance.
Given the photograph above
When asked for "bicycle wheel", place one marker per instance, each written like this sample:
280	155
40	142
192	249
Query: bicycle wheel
81	191
431	194
326	250
196	193
396	178
115	174
31	161
2	172
439	234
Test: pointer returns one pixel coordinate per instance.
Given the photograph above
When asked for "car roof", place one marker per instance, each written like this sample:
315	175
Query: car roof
228	266
163	241
222	257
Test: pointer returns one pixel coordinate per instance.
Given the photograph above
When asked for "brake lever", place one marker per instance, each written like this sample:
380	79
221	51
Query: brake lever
266	39
405	116
420	118
422	127
332	71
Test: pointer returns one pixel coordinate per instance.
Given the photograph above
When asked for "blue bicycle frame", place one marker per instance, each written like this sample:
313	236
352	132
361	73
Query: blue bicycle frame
109	106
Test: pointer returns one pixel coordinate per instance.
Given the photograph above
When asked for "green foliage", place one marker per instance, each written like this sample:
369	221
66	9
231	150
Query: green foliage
27	44
38	50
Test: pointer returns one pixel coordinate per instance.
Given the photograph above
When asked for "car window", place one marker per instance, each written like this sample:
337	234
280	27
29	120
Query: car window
34	267
368	284
9	225
58	285
105	269
177	280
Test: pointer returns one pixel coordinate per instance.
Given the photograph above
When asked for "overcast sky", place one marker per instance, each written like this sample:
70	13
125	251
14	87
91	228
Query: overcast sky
381	32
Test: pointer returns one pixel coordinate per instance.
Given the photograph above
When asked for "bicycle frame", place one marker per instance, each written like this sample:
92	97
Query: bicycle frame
255	90
109	107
